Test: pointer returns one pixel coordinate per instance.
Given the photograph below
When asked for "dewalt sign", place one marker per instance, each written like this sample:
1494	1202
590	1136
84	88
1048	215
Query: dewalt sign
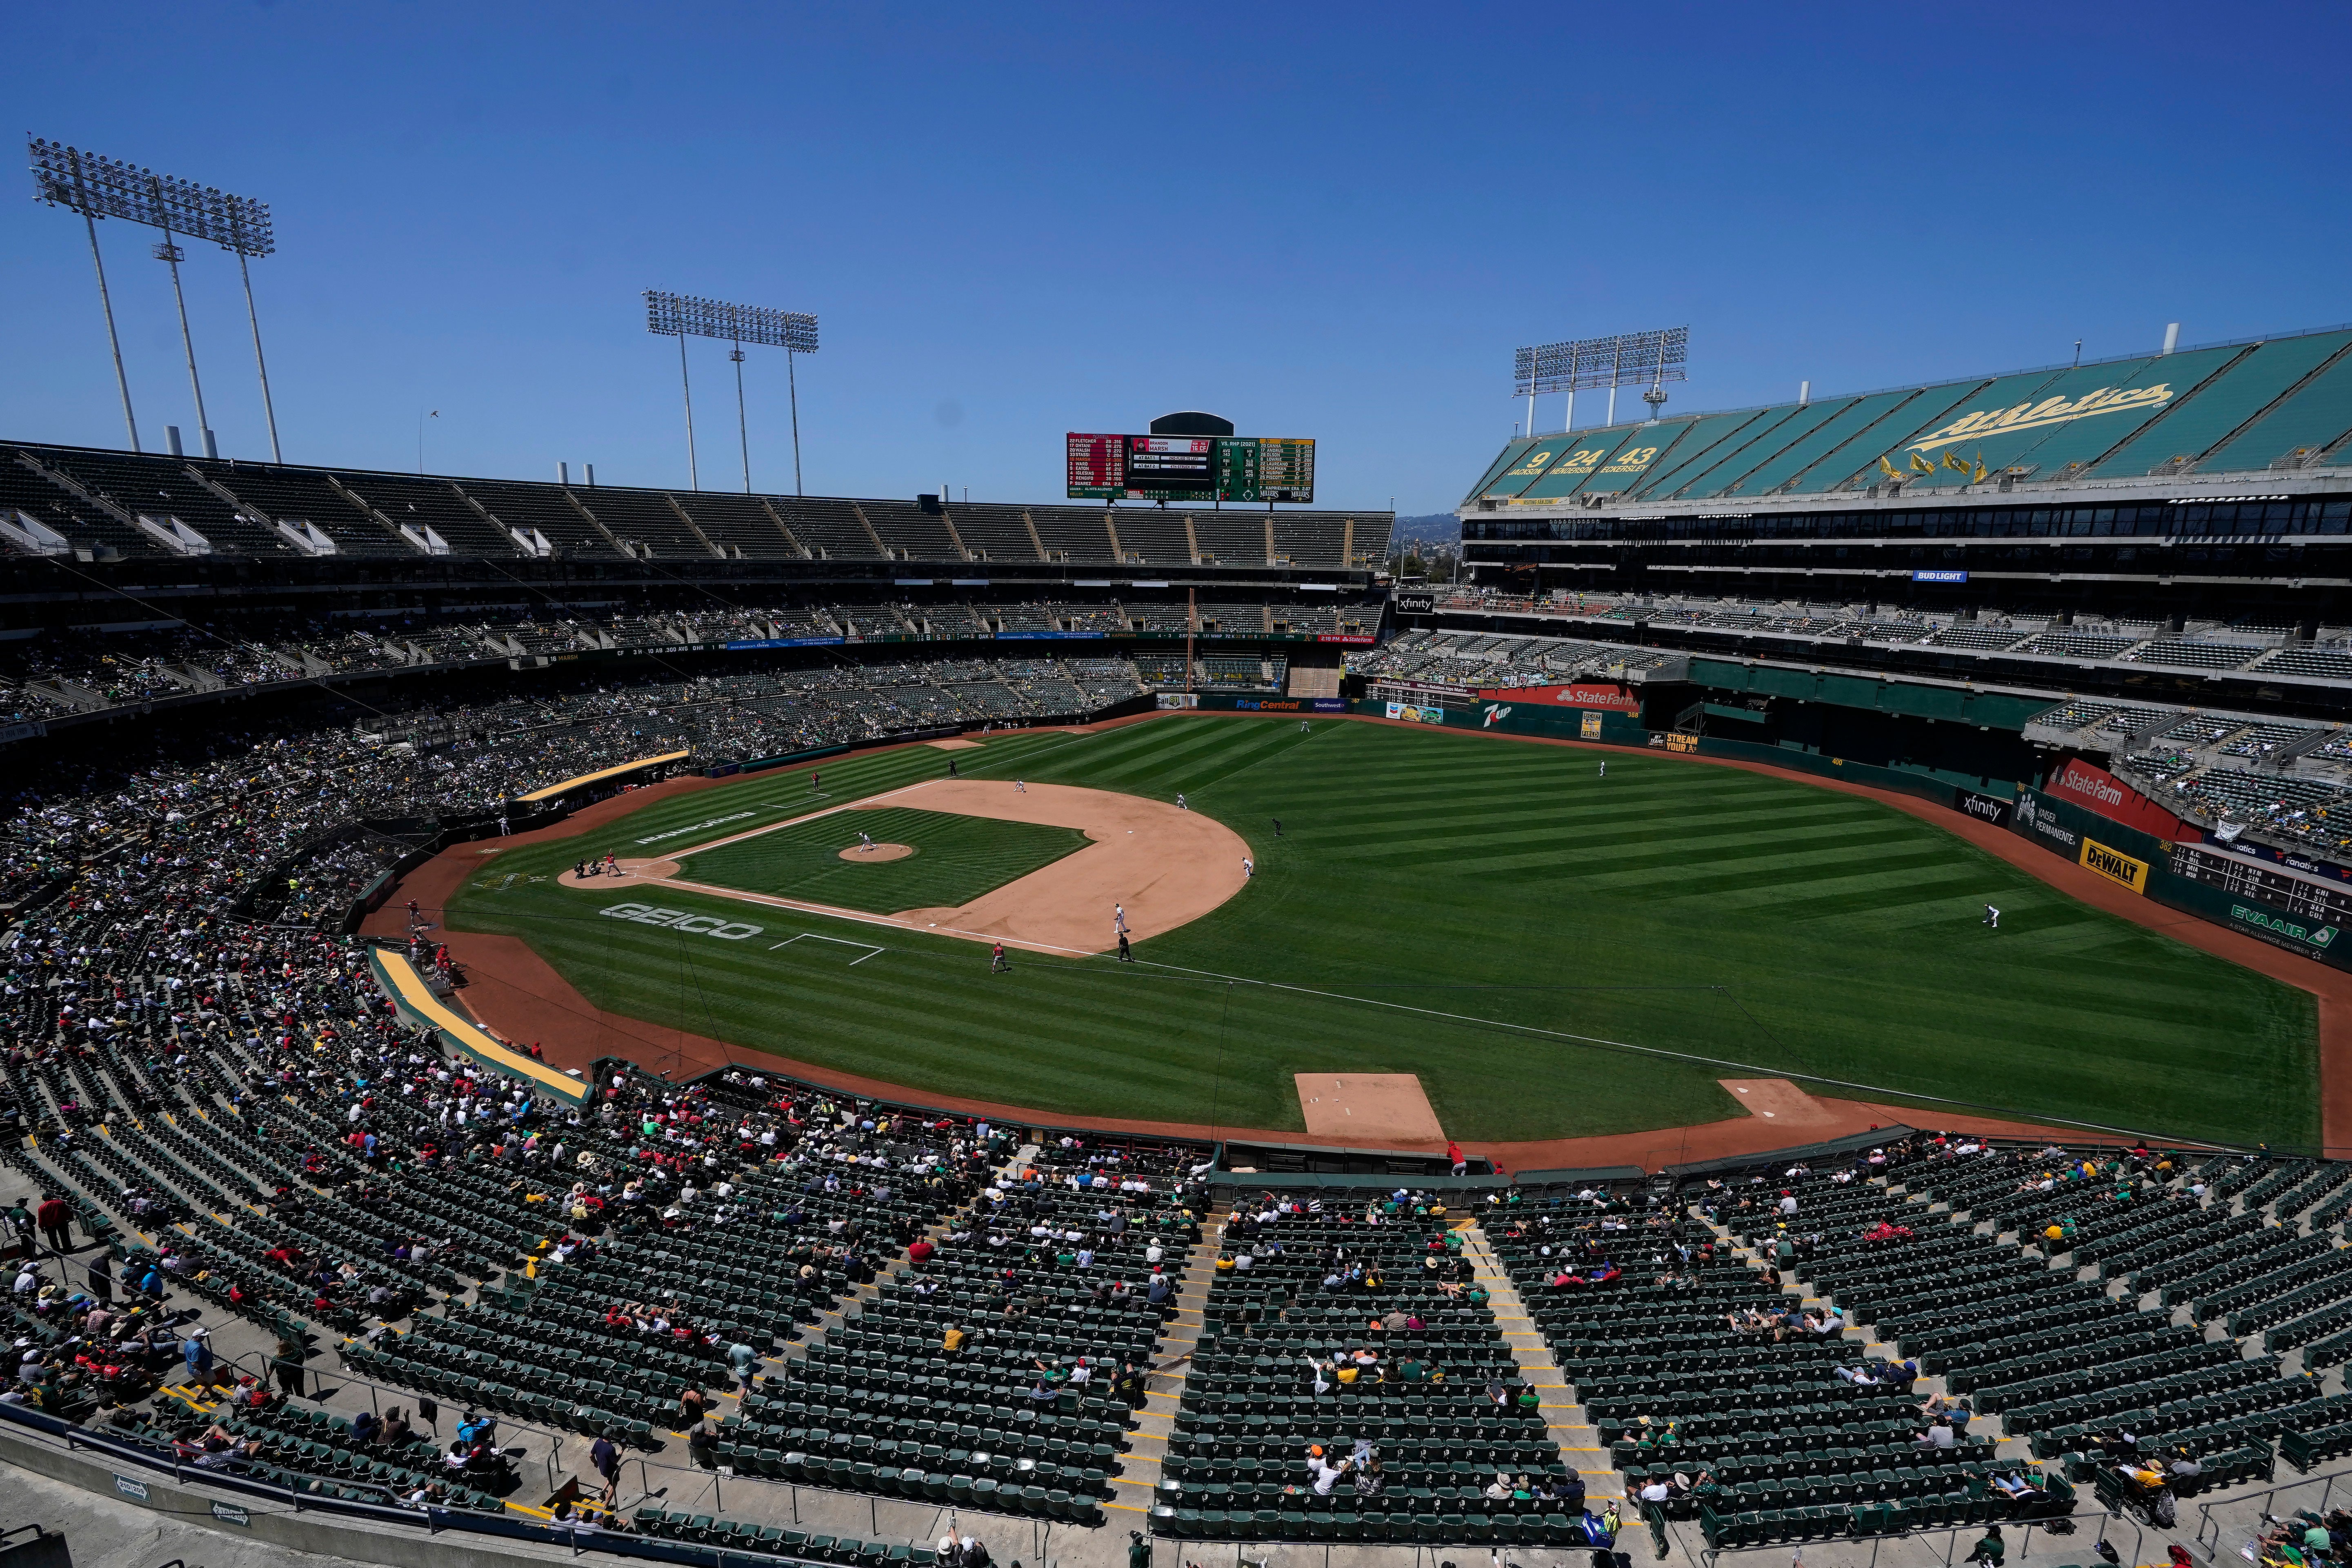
2114	865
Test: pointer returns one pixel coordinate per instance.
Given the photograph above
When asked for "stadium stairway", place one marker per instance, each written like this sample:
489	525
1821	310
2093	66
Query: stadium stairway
1573	1435
1138	1470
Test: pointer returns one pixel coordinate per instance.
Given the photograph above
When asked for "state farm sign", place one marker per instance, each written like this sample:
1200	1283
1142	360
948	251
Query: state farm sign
1599	694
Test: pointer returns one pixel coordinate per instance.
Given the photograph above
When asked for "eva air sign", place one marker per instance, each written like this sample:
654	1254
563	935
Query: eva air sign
2319	937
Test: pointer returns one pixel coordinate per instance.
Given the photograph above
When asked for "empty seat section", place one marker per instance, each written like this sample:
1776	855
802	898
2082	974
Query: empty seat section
906	527
1075	533
2313	419
62	511
830	527
994	532
1817	448
645	520
2189	429
144	486
306	495
739	524
431	503
544	508
1152	535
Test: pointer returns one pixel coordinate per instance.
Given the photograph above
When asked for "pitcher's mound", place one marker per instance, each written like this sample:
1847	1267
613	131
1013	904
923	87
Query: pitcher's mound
628	871
1388	1106
878	853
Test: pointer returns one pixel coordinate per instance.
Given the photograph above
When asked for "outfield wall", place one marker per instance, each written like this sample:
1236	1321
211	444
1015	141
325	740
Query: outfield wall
2230	888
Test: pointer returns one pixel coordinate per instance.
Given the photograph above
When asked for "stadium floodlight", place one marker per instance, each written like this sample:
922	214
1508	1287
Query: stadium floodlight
1629	358
683	316
99	187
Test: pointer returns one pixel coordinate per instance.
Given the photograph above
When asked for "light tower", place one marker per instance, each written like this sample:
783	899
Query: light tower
682	316
99	187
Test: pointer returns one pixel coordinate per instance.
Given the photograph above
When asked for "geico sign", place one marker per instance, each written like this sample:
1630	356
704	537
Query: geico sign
680	920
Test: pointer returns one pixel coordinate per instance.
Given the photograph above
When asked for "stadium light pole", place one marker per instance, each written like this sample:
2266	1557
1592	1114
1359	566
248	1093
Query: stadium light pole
794	332
742	427
99	187
165	251
121	382
693	473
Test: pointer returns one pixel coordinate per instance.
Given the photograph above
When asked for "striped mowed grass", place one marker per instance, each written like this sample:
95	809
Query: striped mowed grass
1491	916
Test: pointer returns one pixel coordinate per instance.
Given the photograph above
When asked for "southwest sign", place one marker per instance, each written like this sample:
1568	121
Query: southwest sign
1978	424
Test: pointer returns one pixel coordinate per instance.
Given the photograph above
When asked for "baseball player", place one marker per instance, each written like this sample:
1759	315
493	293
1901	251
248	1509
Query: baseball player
952	768
1248	870
996	964
1302	726
1124	955
1118	918
1992	917
816	781
1604	769
1179	801
865	842
1020	788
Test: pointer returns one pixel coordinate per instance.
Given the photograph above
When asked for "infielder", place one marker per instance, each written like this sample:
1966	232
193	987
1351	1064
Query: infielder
1179	801
1248	870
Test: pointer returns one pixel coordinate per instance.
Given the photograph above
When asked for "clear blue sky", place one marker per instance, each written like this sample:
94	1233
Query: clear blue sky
1328	221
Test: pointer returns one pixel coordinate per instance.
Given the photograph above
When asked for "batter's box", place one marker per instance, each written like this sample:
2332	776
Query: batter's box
840	941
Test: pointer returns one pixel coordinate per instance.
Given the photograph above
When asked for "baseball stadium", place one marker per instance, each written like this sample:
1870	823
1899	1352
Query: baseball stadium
1793	1006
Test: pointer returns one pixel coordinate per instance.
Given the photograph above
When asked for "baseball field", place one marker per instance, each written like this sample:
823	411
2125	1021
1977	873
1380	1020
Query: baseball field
1555	953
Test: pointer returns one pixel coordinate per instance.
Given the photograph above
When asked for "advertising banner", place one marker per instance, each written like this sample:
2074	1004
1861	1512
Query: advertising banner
787	642
2095	789
2308	935
1983	808
1588	727
1179	700
1413	603
1276	704
1605	695
1351	640
1415	713
2116	867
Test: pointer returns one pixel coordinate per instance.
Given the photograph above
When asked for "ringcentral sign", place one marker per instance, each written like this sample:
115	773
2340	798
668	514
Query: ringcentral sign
680	920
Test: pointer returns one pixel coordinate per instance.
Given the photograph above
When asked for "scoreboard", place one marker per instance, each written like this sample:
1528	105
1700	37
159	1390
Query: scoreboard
1191	468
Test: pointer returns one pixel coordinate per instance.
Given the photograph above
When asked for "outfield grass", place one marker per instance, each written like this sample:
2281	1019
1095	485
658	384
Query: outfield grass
1437	899
956	858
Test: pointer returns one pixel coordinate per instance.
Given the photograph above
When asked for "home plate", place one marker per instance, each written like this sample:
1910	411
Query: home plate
1389	1106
